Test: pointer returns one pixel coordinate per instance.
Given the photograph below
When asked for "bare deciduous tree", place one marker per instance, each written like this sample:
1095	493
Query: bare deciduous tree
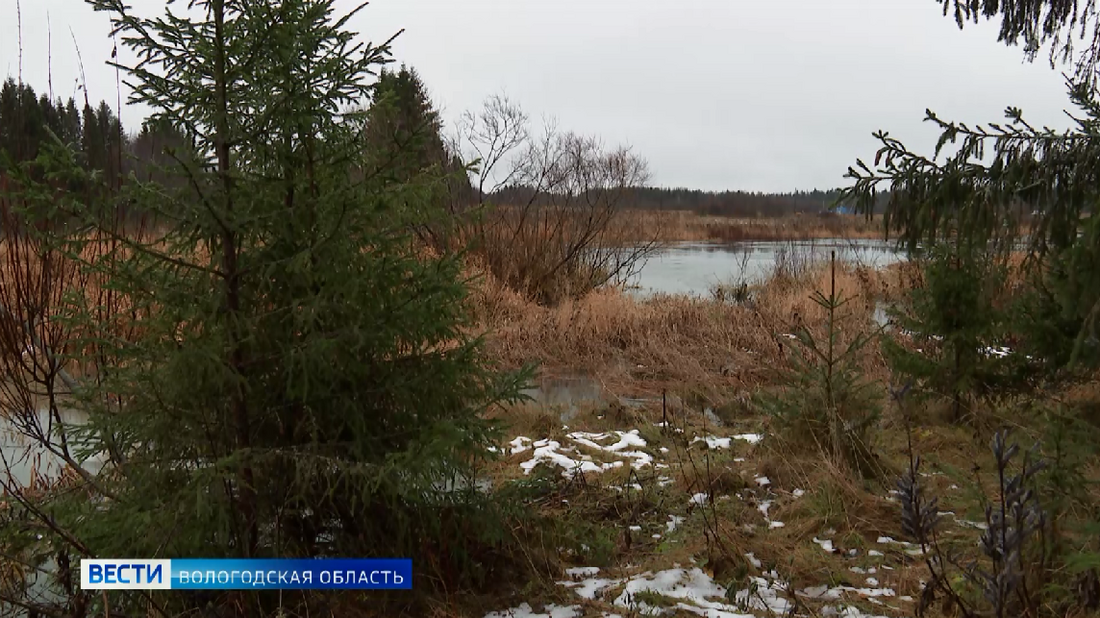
556	227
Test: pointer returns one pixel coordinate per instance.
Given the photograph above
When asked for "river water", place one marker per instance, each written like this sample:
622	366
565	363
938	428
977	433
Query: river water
694	268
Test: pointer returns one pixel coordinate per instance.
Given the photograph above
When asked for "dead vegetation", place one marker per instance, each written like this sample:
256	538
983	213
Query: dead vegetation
648	345
678	225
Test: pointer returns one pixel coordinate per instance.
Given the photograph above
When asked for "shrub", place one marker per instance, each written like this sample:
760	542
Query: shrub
824	399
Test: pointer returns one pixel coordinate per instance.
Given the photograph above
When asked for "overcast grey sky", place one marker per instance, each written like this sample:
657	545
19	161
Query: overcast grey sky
717	94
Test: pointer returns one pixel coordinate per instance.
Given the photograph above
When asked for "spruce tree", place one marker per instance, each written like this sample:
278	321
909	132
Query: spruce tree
1039	175
278	370
403	135
955	324
403	129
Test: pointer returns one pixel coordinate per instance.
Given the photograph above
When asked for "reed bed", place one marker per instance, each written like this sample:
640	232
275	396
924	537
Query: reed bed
646	345
681	226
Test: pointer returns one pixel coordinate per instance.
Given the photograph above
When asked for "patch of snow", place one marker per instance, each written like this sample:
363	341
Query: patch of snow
762	481
713	441
635	528
754	560
825	544
739	459
776	524
626	440
699	498
591	587
751	438
820	592
853	612
825	592
798	493
980	525
699	595
664	449
875	552
664	481
764	506
525	611
912	549
673	521
656	536
548	451
582	571
871	581
667	424
520	444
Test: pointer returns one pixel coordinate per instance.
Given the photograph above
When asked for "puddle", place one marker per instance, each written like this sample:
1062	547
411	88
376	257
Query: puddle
880	316
712	418
24	459
568	393
571	393
24	463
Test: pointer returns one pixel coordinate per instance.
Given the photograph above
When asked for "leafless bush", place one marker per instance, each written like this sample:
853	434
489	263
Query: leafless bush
551	230
45	360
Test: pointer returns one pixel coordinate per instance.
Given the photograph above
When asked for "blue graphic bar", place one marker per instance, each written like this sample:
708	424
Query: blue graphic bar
241	574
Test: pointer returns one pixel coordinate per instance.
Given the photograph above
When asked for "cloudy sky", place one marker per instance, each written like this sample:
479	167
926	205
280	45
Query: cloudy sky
771	95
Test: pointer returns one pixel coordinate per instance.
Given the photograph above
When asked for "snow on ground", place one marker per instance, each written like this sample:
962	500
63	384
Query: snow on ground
912	550
520	444
825	592
713	441
763	507
590	587
674	521
697	593
550	611
685	590
552	452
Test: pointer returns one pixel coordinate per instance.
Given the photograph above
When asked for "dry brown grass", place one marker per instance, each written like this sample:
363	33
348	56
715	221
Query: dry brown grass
678	225
645	346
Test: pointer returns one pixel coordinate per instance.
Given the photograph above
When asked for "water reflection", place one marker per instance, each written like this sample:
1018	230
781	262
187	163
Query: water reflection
24	458
567	393
693	268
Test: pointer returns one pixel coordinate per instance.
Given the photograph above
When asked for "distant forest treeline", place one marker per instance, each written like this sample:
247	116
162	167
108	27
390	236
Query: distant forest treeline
103	145
734	203
95	134
741	204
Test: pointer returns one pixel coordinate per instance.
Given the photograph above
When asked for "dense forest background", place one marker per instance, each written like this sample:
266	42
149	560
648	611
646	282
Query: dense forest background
106	146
